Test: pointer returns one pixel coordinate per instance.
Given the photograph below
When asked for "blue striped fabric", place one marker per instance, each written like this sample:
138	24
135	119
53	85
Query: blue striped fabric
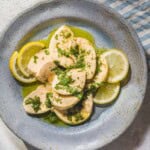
137	12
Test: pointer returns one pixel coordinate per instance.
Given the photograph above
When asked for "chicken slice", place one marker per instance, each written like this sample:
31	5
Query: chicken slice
77	114
41	65
60	45
34	103
102	72
89	53
63	102
77	77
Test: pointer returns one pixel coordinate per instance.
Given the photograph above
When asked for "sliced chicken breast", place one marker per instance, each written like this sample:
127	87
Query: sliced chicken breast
78	78
34	103
102	72
62	102
60	46
89	56
41	65
77	114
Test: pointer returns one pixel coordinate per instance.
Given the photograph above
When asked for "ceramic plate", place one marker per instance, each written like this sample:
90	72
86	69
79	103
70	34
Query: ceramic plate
109	30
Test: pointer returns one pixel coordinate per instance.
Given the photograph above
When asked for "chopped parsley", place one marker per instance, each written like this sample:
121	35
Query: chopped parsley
75	113
80	63
64	79
71	90
98	69
47	52
58	100
51	117
64	82
35	59
56	63
92	88
75	51
56	36
79	95
99	51
74	91
78	117
88	52
35	103
62	52
57	70
48	100
67	34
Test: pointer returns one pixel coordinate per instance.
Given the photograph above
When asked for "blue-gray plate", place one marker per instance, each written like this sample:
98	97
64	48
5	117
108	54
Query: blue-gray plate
109	30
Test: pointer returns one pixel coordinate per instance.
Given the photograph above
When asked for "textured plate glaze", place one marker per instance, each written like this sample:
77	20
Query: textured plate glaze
109	30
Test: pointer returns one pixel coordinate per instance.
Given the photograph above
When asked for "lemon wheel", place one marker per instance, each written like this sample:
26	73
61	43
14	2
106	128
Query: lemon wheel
107	93
118	65
25	54
16	72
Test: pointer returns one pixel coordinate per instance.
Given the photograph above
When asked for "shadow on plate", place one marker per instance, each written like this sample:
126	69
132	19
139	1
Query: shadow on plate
135	134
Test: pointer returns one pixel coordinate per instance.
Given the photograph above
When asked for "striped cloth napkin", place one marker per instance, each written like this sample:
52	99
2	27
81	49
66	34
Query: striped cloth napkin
137	12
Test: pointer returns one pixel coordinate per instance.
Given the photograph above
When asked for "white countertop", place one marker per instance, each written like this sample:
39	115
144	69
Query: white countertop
137	137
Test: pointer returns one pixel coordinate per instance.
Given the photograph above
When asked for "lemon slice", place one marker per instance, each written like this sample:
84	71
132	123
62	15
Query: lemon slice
16	72
118	65
26	52
107	93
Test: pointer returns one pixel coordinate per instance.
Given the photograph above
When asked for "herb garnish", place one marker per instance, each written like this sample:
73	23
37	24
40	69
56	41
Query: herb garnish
80	63
75	51
79	95
92	88
71	90
58	100
98	64
35	103
56	63
35	59
51	117
78	117
47	52
64	79
48	100
99	51
56	36
75	112
62	52
64	82
57	70
67	34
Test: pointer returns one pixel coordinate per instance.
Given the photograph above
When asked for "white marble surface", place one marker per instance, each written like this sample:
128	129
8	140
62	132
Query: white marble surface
137	137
